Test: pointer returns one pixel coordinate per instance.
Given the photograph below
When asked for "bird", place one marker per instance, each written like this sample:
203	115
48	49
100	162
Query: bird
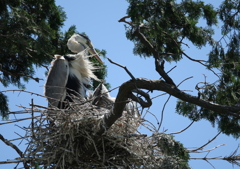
69	74
130	119
79	42
101	97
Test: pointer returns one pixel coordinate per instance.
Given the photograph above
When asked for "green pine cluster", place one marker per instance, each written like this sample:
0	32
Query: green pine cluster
166	23
175	154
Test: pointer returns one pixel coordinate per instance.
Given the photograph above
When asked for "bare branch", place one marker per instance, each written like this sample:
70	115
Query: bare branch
183	129
206	143
144	104
15	148
159	68
167	102
18	120
127	87
124	67
209	149
123	19
160	124
199	61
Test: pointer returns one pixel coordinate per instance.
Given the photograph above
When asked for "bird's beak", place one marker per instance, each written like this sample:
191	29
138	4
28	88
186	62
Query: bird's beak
94	53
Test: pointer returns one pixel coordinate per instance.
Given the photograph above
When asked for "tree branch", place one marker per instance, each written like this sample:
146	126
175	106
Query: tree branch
159	68
143	103
15	148
127	87
206	143
19	74
143	39
182	129
124	67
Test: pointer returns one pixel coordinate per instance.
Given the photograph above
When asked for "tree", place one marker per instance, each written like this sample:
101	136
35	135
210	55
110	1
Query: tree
29	37
159	30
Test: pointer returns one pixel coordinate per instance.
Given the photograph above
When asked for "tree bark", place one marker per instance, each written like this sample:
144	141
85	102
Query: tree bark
161	85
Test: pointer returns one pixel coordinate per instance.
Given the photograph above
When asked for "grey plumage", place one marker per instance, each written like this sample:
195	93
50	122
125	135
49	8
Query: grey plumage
69	74
55	87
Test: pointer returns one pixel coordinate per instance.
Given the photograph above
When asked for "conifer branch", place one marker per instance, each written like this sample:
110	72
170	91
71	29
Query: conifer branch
19	74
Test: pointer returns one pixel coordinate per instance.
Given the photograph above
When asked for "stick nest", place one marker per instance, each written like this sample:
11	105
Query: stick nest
69	140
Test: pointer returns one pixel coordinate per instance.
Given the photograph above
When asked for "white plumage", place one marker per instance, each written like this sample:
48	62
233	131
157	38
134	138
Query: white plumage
79	42
76	43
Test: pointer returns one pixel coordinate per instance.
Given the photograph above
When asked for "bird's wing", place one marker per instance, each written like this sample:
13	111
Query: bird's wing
55	87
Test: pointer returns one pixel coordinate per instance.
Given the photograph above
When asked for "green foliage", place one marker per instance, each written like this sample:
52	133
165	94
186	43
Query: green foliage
28	30
29	37
166	23
3	106
226	123
225	56
175	154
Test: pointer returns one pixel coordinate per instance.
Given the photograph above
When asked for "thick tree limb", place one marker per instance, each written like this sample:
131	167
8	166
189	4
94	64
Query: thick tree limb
143	103
127	87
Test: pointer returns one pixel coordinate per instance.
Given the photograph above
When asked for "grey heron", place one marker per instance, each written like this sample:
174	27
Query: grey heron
80	42
69	74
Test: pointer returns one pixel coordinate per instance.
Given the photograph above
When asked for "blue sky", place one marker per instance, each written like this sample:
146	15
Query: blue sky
99	20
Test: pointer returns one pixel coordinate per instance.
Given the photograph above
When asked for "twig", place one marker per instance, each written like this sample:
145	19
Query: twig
15	148
33	135
19	74
159	126
124	67
17	90
123	19
208	149
182	129
167	102
209	163
199	61
19	120
206	143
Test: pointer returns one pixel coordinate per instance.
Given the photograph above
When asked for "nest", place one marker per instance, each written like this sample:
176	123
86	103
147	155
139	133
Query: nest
69	140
